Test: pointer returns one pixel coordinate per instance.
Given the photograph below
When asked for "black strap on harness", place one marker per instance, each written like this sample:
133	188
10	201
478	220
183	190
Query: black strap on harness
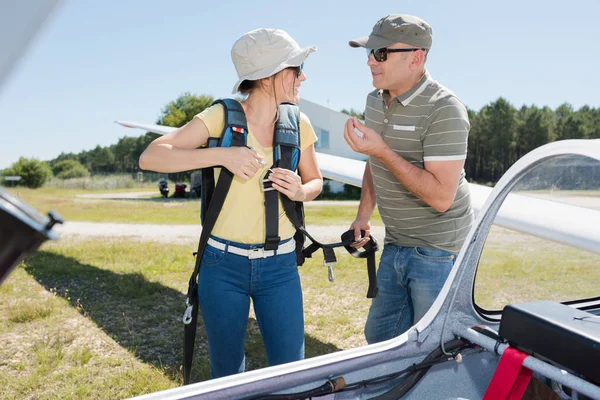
329	259
286	155
210	210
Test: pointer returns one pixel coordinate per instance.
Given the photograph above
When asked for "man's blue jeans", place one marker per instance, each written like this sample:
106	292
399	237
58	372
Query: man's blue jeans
226	284
409	280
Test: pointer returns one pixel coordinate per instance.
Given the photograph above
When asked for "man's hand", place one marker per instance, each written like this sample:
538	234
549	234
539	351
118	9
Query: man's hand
361	223
242	162
371	143
289	183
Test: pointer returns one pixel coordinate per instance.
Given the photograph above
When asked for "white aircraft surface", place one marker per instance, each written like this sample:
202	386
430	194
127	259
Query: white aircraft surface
454	350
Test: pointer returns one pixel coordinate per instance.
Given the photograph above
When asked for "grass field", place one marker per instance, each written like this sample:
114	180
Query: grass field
101	318
152	210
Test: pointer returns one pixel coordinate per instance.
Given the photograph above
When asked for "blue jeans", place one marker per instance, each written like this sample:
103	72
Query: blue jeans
409	280
226	284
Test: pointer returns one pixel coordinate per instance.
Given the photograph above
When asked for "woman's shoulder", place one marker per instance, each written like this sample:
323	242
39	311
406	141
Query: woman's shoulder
213	118
304	120
212	111
307	132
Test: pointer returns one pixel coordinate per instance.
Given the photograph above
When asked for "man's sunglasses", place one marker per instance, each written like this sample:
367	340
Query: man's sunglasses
380	55
298	70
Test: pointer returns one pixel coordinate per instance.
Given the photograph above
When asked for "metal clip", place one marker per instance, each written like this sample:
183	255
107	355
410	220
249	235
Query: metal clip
187	315
330	268
264	181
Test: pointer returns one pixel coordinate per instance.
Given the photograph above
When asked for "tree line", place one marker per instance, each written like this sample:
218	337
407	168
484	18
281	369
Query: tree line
500	134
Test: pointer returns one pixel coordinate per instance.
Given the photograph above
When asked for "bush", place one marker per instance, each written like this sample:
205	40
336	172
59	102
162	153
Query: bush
34	173
68	169
76	172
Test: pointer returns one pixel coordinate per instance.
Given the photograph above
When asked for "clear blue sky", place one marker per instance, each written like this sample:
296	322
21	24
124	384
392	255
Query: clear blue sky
95	62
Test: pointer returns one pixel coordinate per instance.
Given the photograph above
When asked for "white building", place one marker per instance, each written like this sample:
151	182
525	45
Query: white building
329	127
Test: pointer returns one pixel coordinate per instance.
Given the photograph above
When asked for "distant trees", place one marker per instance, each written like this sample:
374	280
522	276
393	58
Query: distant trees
354	113
500	134
178	113
123	156
181	111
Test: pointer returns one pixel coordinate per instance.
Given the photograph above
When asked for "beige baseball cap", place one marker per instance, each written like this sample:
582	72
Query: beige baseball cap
264	52
397	28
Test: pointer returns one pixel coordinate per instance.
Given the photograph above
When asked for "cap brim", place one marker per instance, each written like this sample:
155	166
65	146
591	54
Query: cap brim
371	42
360	42
295	60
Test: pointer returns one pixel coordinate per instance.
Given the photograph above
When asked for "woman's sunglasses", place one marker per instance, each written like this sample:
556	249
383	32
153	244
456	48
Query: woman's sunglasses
380	55
298	70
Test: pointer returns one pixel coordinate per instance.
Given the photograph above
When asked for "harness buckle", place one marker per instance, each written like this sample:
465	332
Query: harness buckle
265	184
187	315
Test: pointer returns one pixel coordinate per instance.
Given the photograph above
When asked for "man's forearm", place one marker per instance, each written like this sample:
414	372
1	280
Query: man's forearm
367	196
419	181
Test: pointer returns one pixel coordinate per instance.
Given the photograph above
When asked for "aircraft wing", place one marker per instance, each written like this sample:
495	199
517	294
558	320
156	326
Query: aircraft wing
563	223
160	129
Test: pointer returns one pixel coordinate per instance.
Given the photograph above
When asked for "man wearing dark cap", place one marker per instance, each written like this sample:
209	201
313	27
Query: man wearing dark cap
415	134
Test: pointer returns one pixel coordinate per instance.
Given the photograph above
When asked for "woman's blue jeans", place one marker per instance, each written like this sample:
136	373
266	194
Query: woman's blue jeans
226	284
409	280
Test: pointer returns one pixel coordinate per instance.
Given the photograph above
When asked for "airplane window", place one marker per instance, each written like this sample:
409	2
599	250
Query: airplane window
542	255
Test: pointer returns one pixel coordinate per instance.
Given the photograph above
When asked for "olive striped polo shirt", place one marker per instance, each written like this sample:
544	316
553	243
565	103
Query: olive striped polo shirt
427	123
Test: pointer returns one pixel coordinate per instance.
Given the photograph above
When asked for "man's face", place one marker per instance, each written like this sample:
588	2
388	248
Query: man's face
397	68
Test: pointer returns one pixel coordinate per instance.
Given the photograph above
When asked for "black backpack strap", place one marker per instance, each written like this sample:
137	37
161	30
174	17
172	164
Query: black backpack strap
286	154
235	120
271	215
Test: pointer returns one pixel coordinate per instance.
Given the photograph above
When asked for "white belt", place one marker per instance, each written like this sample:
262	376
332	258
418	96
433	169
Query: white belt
284	248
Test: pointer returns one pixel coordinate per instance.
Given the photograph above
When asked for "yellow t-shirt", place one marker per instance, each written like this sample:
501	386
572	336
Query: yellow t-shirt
242	218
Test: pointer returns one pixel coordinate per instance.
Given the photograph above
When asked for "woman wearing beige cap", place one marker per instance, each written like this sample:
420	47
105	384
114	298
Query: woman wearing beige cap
269	65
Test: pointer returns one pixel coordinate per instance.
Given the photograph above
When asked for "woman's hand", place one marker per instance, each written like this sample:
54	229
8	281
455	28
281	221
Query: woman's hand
242	162
289	183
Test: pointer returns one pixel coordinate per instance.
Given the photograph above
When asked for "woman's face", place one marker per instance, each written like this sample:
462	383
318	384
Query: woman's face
287	84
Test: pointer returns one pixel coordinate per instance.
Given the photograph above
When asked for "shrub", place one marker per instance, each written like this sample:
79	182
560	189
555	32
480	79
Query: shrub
33	172
68	169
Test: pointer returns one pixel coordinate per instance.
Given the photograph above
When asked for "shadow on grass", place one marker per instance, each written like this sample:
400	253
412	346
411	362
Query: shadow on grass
142	316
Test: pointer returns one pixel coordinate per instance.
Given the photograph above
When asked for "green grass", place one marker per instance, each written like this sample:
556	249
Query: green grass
102	319
515	267
340	214
155	209
60	352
